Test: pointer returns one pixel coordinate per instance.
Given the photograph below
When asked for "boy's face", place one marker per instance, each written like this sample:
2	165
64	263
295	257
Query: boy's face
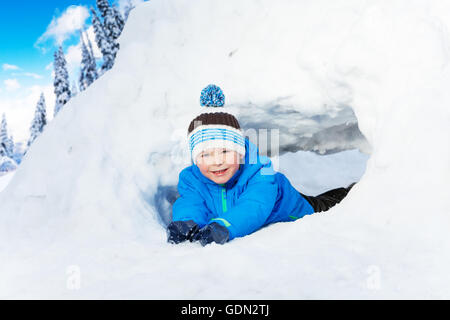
218	164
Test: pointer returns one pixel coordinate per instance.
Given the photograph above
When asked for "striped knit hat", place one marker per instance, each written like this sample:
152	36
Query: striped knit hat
214	128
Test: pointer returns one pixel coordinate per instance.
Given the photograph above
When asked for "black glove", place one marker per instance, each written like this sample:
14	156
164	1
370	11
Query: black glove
213	232
179	231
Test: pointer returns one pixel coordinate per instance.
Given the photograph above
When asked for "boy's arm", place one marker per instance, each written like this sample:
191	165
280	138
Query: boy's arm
252	208
190	205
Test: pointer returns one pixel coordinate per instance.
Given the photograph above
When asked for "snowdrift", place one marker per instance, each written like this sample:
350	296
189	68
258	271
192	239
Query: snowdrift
79	219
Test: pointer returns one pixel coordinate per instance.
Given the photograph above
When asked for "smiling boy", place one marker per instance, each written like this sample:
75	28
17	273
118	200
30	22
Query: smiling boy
230	190
218	164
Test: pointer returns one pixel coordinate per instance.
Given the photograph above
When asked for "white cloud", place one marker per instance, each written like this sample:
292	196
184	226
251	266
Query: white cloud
11	84
73	56
20	110
32	75
63	27
28	74
7	67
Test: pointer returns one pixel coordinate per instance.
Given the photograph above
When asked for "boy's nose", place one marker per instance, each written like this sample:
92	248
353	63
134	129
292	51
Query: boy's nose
218	159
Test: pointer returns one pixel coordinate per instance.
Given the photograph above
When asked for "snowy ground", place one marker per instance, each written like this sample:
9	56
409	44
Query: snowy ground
79	218
5	178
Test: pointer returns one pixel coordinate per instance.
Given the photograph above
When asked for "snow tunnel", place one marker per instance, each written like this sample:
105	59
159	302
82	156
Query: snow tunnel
316	152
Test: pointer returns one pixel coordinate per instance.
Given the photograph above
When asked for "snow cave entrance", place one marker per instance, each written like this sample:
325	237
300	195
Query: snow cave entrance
315	152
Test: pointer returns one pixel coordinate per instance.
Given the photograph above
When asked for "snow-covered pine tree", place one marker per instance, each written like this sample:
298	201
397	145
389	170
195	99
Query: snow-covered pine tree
10	146
93	66
103	6
120	21
6	143
3	135
113	21
39	120
61	81
107	46
7	162
84	81
88	72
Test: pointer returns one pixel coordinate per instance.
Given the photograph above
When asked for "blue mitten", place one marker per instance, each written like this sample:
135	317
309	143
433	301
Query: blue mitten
213	232
179	231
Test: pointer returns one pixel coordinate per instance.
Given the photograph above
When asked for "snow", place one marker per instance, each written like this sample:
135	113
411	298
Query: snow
5	178
78	220
313	174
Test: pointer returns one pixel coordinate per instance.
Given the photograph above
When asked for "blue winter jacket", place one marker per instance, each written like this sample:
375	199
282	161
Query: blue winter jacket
254	197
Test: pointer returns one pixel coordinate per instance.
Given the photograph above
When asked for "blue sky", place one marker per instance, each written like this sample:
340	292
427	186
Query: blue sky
31	32
22	24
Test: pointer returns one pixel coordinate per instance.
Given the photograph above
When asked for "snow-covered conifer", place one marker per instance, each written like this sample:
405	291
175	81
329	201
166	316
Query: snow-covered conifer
113	21
88	72
107	46
61	81
39	120
6	144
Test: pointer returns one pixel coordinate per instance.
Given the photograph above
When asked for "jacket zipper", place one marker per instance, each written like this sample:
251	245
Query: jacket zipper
224	198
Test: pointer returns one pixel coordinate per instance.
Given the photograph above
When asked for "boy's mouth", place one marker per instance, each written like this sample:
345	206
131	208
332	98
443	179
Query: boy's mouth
219	172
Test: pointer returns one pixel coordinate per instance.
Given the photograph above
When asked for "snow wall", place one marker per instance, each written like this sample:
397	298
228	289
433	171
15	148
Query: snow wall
77	220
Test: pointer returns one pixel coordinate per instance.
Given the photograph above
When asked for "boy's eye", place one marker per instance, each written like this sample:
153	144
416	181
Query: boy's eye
204	155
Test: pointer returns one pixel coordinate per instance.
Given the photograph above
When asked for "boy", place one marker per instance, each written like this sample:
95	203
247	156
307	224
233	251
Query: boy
230	191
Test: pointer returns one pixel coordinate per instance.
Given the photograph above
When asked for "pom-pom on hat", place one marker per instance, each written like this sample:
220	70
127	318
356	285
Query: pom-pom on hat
214	127
212	96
